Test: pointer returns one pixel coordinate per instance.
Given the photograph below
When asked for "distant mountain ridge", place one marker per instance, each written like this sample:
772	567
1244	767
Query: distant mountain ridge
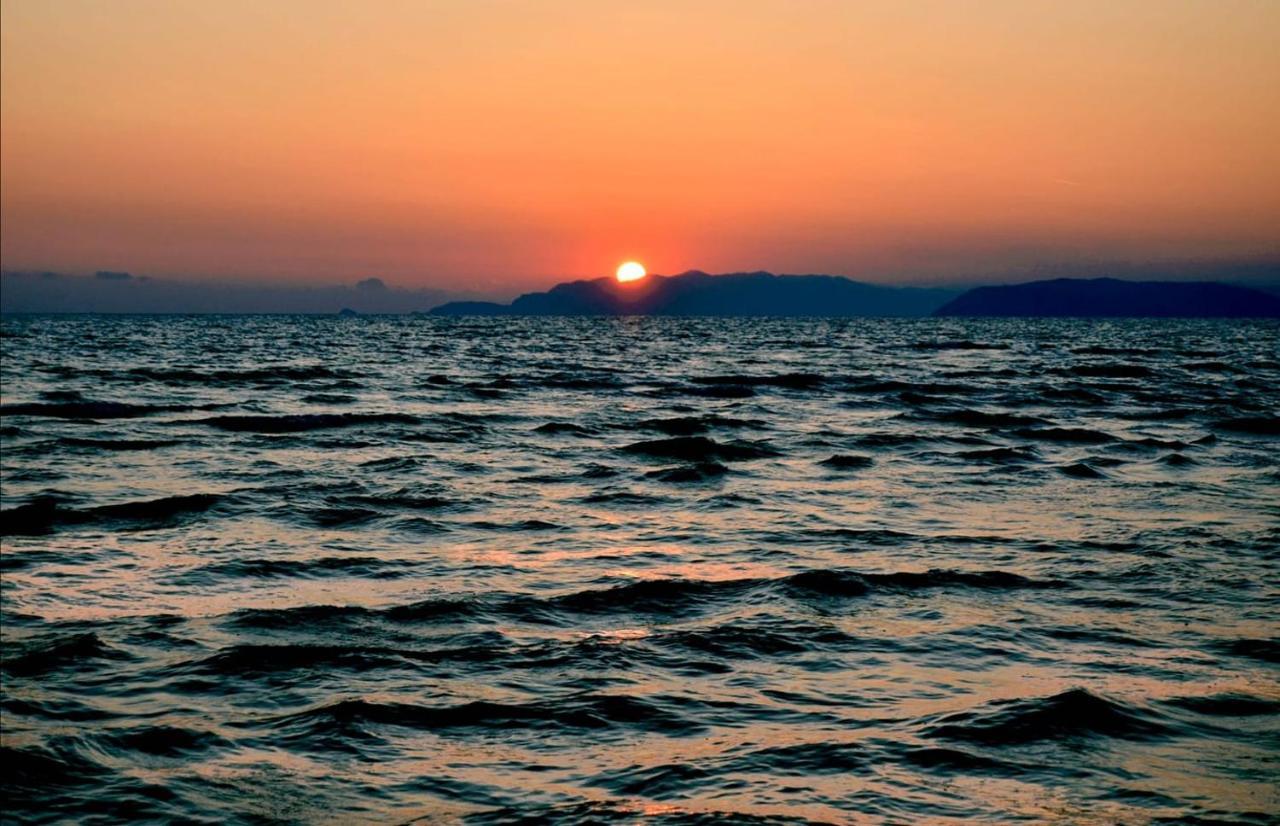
110	291
697	293
1113	298
694	293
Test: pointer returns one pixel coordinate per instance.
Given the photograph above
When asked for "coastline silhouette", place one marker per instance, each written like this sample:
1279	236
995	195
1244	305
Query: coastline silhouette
760	294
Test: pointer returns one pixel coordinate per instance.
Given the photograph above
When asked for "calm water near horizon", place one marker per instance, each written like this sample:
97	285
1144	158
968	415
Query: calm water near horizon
276	569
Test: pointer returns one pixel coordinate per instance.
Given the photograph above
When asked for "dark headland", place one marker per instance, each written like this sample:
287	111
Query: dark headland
765	294
700	294
1113	298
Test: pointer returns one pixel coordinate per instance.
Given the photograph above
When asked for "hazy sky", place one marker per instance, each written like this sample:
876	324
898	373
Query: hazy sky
477	145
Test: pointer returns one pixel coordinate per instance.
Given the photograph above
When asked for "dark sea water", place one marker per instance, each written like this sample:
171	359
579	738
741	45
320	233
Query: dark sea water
393	569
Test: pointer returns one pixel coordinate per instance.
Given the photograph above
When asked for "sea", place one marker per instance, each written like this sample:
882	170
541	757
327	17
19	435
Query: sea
401	569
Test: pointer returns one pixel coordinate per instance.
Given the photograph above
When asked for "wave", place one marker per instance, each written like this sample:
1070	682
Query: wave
89	409
813	759
954	760
280	374
576	381
156	510
41	656
340	517
956	345
1078	395
1075	435
915	389
590	711
118	444
698	472
1100	636
983	418
701	449
1158	444
1000	455
163	741
329	398
718	391
1158	414
653	596
1231	704
44	514
1209	367
1110	371
442	611
250	660
593	813
671	597
845	583
789	381
562	429
1072	714
869	536
1263	650
847	462
454	427
695	425
523	526
1080	470
411	497
387	464
889	440
479	650
33	772
311	617
1099	350
663	781
352	566
757	639
806	759
446	436
419	525
302	422
678	595
1253	425
919	399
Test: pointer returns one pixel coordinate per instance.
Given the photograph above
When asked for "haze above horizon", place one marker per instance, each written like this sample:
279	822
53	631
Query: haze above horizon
496	147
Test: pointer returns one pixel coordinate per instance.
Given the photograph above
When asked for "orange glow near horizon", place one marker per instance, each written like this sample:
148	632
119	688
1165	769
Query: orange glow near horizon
630	271
480	146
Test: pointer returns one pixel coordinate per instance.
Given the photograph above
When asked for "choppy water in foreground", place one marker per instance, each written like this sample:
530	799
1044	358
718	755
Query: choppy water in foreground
384	569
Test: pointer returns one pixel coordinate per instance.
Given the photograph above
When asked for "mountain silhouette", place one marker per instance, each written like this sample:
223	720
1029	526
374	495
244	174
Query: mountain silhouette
120	292
1113	298
700	294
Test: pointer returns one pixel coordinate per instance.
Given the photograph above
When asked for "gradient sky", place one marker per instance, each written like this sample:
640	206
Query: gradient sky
490	146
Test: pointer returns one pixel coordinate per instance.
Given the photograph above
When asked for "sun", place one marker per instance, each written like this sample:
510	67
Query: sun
630	271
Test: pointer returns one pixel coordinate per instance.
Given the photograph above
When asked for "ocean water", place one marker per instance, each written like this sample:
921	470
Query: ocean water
394	569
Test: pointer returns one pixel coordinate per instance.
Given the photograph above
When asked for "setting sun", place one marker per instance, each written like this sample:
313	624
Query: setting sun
630	271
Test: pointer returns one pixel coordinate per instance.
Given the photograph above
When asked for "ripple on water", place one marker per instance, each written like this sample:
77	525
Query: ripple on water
298	569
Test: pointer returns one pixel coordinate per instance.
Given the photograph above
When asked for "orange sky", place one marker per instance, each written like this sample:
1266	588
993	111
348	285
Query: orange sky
483	145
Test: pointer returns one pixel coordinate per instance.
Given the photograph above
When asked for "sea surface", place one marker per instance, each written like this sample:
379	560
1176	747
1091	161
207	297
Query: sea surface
400	569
